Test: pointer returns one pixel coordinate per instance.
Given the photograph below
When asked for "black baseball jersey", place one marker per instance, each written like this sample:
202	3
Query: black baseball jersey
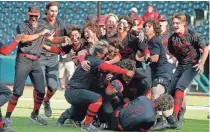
136	87
34	47
164	39
162	66
186	48
59	28
82	79
100	82
137	114
67	48
131	44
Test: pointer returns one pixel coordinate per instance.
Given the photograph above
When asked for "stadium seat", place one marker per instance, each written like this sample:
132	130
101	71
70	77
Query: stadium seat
78	10
194	85
200	14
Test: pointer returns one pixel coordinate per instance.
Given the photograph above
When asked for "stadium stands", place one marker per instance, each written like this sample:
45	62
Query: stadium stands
75	12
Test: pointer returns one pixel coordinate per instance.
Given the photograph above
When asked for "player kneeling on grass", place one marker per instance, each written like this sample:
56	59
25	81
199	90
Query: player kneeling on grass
137	115
77	91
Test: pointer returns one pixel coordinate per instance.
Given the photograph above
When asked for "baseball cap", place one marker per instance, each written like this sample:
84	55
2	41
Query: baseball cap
149	4
162	18
118	85
101	20
34	10
134	9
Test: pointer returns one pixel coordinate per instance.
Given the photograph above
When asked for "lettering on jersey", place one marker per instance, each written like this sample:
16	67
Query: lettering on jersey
176	40
180	46
137	111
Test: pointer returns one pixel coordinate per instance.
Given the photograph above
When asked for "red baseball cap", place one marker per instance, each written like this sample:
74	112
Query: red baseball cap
162	18
34	10
101	20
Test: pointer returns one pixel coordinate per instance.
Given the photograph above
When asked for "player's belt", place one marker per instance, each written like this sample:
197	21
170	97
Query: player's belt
117	114
47	54
32	57
67	87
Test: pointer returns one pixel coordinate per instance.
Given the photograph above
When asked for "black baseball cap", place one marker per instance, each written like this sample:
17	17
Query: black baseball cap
34	10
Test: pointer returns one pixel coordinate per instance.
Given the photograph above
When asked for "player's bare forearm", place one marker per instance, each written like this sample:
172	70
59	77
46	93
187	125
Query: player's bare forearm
154	58
56	40
114	60
28	38
204	55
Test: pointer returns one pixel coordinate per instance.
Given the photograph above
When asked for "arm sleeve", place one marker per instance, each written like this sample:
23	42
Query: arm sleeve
5	50
81	57
119	55
55	50
112	68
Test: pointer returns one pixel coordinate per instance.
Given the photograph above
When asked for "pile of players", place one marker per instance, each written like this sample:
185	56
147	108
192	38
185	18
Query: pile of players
124	77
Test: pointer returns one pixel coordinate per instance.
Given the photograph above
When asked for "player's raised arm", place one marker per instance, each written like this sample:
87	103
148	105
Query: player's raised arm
5	50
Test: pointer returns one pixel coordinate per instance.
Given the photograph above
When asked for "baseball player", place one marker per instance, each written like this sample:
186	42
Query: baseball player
184	44
77	92
138	114
5	93
28	53
49	61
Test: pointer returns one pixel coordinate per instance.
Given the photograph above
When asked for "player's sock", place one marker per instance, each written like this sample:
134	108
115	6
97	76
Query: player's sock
148	93
160	118
49	95
92	110
38	99
1	122
179	95
11	105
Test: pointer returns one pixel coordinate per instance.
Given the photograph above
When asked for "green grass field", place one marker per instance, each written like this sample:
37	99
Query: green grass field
196	120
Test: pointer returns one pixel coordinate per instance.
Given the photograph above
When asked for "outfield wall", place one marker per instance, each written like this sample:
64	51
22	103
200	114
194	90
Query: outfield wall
7	70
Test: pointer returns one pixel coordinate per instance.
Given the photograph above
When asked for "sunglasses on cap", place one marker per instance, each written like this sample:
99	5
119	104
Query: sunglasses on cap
33	16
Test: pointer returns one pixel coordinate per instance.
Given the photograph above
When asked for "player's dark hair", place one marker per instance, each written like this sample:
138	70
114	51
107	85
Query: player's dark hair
127	64
114	44
164	102
49	4
155	24
72	28
130	23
